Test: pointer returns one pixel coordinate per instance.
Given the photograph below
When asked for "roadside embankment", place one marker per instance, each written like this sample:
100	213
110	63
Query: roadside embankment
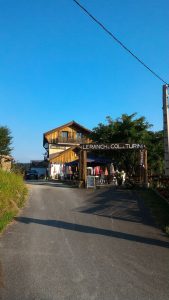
158	207
13	192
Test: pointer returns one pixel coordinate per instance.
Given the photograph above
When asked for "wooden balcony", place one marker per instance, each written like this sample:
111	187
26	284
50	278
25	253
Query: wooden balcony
69	140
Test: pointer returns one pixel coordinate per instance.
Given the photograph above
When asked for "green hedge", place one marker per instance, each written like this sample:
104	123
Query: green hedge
12	196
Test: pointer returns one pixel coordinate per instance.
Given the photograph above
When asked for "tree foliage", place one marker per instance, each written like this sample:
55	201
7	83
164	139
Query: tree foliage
131	129
5	141
155	146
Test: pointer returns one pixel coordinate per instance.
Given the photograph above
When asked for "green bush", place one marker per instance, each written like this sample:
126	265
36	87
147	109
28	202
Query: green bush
12	196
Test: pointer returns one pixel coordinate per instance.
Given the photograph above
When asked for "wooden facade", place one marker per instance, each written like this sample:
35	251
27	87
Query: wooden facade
70	133
67	135
66	156
61	142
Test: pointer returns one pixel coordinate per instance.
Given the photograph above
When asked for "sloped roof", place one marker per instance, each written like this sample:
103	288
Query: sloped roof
67	125
54	155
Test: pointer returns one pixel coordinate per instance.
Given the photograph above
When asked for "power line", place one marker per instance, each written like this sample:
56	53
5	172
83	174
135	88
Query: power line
118	41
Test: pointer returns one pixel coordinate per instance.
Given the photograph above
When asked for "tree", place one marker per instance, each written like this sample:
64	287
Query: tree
126	129
5	141
130	129
155	147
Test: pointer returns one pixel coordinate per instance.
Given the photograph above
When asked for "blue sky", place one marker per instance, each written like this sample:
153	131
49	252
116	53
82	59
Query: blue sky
57	65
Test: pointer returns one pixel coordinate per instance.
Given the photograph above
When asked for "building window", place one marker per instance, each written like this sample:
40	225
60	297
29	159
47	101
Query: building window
64	135
78	135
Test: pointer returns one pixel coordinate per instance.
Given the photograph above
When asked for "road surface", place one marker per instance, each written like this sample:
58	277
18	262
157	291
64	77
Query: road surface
75	244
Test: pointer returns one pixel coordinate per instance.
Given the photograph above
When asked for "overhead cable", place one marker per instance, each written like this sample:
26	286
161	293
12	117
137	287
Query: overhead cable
118	41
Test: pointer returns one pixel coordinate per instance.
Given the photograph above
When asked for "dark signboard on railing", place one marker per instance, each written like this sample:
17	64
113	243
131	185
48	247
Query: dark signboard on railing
115	146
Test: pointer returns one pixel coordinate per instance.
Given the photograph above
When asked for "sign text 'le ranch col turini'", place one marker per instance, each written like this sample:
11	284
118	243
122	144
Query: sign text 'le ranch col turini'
116	146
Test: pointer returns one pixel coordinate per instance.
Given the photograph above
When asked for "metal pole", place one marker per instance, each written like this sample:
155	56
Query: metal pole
166	129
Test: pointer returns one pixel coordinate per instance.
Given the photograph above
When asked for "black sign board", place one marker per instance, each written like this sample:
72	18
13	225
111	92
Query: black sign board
91	182
115	146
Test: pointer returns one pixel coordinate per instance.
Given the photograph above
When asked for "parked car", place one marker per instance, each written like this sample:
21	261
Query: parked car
31	174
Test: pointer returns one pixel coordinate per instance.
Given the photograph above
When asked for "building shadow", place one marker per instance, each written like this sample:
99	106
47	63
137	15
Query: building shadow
95	231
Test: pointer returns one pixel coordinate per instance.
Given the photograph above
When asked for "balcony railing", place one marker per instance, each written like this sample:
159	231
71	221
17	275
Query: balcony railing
68	140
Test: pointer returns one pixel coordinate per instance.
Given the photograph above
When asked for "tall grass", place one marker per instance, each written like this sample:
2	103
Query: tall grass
12	196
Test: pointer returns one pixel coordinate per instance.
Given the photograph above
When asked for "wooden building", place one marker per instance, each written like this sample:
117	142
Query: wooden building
60	144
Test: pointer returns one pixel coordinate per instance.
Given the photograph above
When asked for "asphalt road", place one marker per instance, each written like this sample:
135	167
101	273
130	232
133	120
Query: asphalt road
77	244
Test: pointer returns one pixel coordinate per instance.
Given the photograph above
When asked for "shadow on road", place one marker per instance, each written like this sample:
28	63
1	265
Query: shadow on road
1	277
94	230
120	204
50	183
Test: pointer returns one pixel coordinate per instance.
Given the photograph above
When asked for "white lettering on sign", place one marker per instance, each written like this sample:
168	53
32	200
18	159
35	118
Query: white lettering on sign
116	146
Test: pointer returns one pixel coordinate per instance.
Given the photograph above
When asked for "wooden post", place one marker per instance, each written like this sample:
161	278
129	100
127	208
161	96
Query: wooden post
145	169
83	166
141	166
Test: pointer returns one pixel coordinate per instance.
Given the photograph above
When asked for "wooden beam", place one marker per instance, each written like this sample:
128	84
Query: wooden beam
83	166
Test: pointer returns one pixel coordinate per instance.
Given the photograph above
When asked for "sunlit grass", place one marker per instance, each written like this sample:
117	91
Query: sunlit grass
12	196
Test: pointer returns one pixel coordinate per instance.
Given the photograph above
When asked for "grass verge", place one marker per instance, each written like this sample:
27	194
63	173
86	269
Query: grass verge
158	207
12	196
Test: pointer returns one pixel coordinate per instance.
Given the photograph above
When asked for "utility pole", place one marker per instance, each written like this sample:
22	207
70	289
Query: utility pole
166	129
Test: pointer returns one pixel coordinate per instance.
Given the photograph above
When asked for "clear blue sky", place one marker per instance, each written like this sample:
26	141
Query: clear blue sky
57	65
